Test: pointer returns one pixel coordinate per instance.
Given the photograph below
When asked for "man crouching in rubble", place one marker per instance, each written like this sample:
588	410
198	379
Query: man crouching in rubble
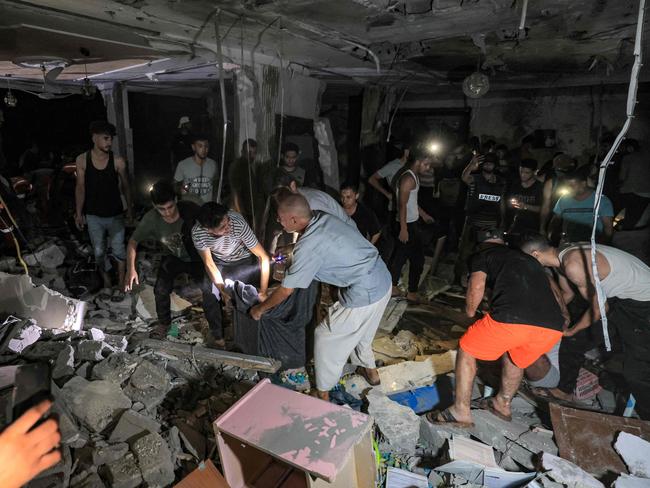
331	251
170	223
525	322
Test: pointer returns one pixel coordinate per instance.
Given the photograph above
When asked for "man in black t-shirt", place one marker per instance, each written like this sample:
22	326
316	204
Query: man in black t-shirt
365	218
524	200
525	321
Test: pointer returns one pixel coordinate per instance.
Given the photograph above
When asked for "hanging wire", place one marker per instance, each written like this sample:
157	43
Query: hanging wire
222	89
631	102
281	81
245	107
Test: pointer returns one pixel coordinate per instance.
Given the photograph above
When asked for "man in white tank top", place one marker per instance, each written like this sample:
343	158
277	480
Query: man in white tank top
625	281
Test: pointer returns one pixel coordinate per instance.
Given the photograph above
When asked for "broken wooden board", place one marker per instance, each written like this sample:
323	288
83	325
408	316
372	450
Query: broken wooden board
587	438
205	476
182	351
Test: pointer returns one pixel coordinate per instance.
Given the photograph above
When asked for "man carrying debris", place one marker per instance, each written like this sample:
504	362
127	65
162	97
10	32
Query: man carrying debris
625	282
170	223
330	251
525	321
229	249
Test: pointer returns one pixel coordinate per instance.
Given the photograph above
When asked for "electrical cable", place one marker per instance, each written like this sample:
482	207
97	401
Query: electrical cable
9	229
631	102
281	83
248	158
222	89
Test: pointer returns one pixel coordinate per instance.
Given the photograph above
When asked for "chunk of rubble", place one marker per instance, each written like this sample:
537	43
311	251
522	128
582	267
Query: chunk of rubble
43	350
117	367
49	256
110	453
627	481
95	403
64	365
28	335
149	384
567	473
91	480
154	459
635	453
399	424
146	305
124	472
89	350
131	425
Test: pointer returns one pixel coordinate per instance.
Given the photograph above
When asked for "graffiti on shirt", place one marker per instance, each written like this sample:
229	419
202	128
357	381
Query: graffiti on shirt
174	243
201	185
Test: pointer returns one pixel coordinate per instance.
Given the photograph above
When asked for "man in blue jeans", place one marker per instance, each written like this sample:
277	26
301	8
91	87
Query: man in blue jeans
101	182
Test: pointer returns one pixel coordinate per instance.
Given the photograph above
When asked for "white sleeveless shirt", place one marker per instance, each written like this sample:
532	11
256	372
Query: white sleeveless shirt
412	213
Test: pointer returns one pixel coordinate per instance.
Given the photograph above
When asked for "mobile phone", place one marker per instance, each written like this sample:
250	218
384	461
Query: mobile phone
32	385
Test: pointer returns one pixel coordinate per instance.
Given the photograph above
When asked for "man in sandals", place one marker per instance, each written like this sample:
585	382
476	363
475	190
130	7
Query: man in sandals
170	223
525	321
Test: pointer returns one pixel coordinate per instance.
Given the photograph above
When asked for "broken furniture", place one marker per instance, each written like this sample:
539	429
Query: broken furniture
276	437
205	476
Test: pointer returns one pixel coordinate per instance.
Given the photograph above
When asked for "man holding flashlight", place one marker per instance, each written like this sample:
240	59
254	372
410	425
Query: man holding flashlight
229	249
195	175
524	200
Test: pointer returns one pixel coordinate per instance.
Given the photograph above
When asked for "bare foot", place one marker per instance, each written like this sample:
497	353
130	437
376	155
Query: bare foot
396	292
501	406
323	395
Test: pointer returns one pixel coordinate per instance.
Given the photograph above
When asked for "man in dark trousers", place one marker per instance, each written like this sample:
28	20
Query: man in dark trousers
101	182
525	322
365	218
170	223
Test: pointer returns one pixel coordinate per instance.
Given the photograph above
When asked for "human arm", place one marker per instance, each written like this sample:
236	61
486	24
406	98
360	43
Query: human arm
608	228
567	292
559	298
524	206
120	167
80	191
424	215
279	295
374	238
26	450
475	292
131	272
376	184
472	166
265	266
406	184
211	269
545	210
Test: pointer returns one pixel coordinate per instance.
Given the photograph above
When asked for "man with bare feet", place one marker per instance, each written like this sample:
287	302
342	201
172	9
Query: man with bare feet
525	321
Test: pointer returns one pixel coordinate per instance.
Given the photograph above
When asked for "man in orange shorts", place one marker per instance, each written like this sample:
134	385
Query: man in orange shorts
525	322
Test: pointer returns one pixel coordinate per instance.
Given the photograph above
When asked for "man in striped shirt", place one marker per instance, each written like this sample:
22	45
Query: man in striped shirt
229	249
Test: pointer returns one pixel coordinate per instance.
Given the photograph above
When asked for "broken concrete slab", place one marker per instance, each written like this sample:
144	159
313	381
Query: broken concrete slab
90	350
95	403
626	481
92	480
64	365
28	334
412	374
154	459
124	472
200	353
566	472
49	256
635	453
399	424
393	313
149	384
146	304
132	424
117	367
43	350
50	309
110	453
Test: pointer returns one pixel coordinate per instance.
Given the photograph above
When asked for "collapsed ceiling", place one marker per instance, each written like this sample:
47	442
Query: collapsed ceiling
422	44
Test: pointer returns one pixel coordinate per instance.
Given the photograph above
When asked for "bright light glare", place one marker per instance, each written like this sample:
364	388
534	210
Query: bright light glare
434	147
564	191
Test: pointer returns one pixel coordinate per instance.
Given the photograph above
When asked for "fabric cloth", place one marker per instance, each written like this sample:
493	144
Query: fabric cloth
174	236
488	339
199	178
484	201
331	251
281	332
412	210
102	190
629	277
346	333
521	293
366	221
170	267
389	170
577	216
518	220
98	230
322	202
232	247
413	251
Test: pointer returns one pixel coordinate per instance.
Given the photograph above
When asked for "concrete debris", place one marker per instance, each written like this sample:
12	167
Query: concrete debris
392	315
91	350
94	403
43	350
124	472
569	474
64	365
412	374
116	367
49	256
399	425
110	453
635	453
626	481
48	308
92	480
400	478
154	459
28	335
146	305
149	384
131	425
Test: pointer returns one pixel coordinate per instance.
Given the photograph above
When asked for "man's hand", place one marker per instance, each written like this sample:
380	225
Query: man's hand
476	161
517	204
403	236
256	312
131	277
24	453
427	218
79	221
389	196
571	331
262	296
